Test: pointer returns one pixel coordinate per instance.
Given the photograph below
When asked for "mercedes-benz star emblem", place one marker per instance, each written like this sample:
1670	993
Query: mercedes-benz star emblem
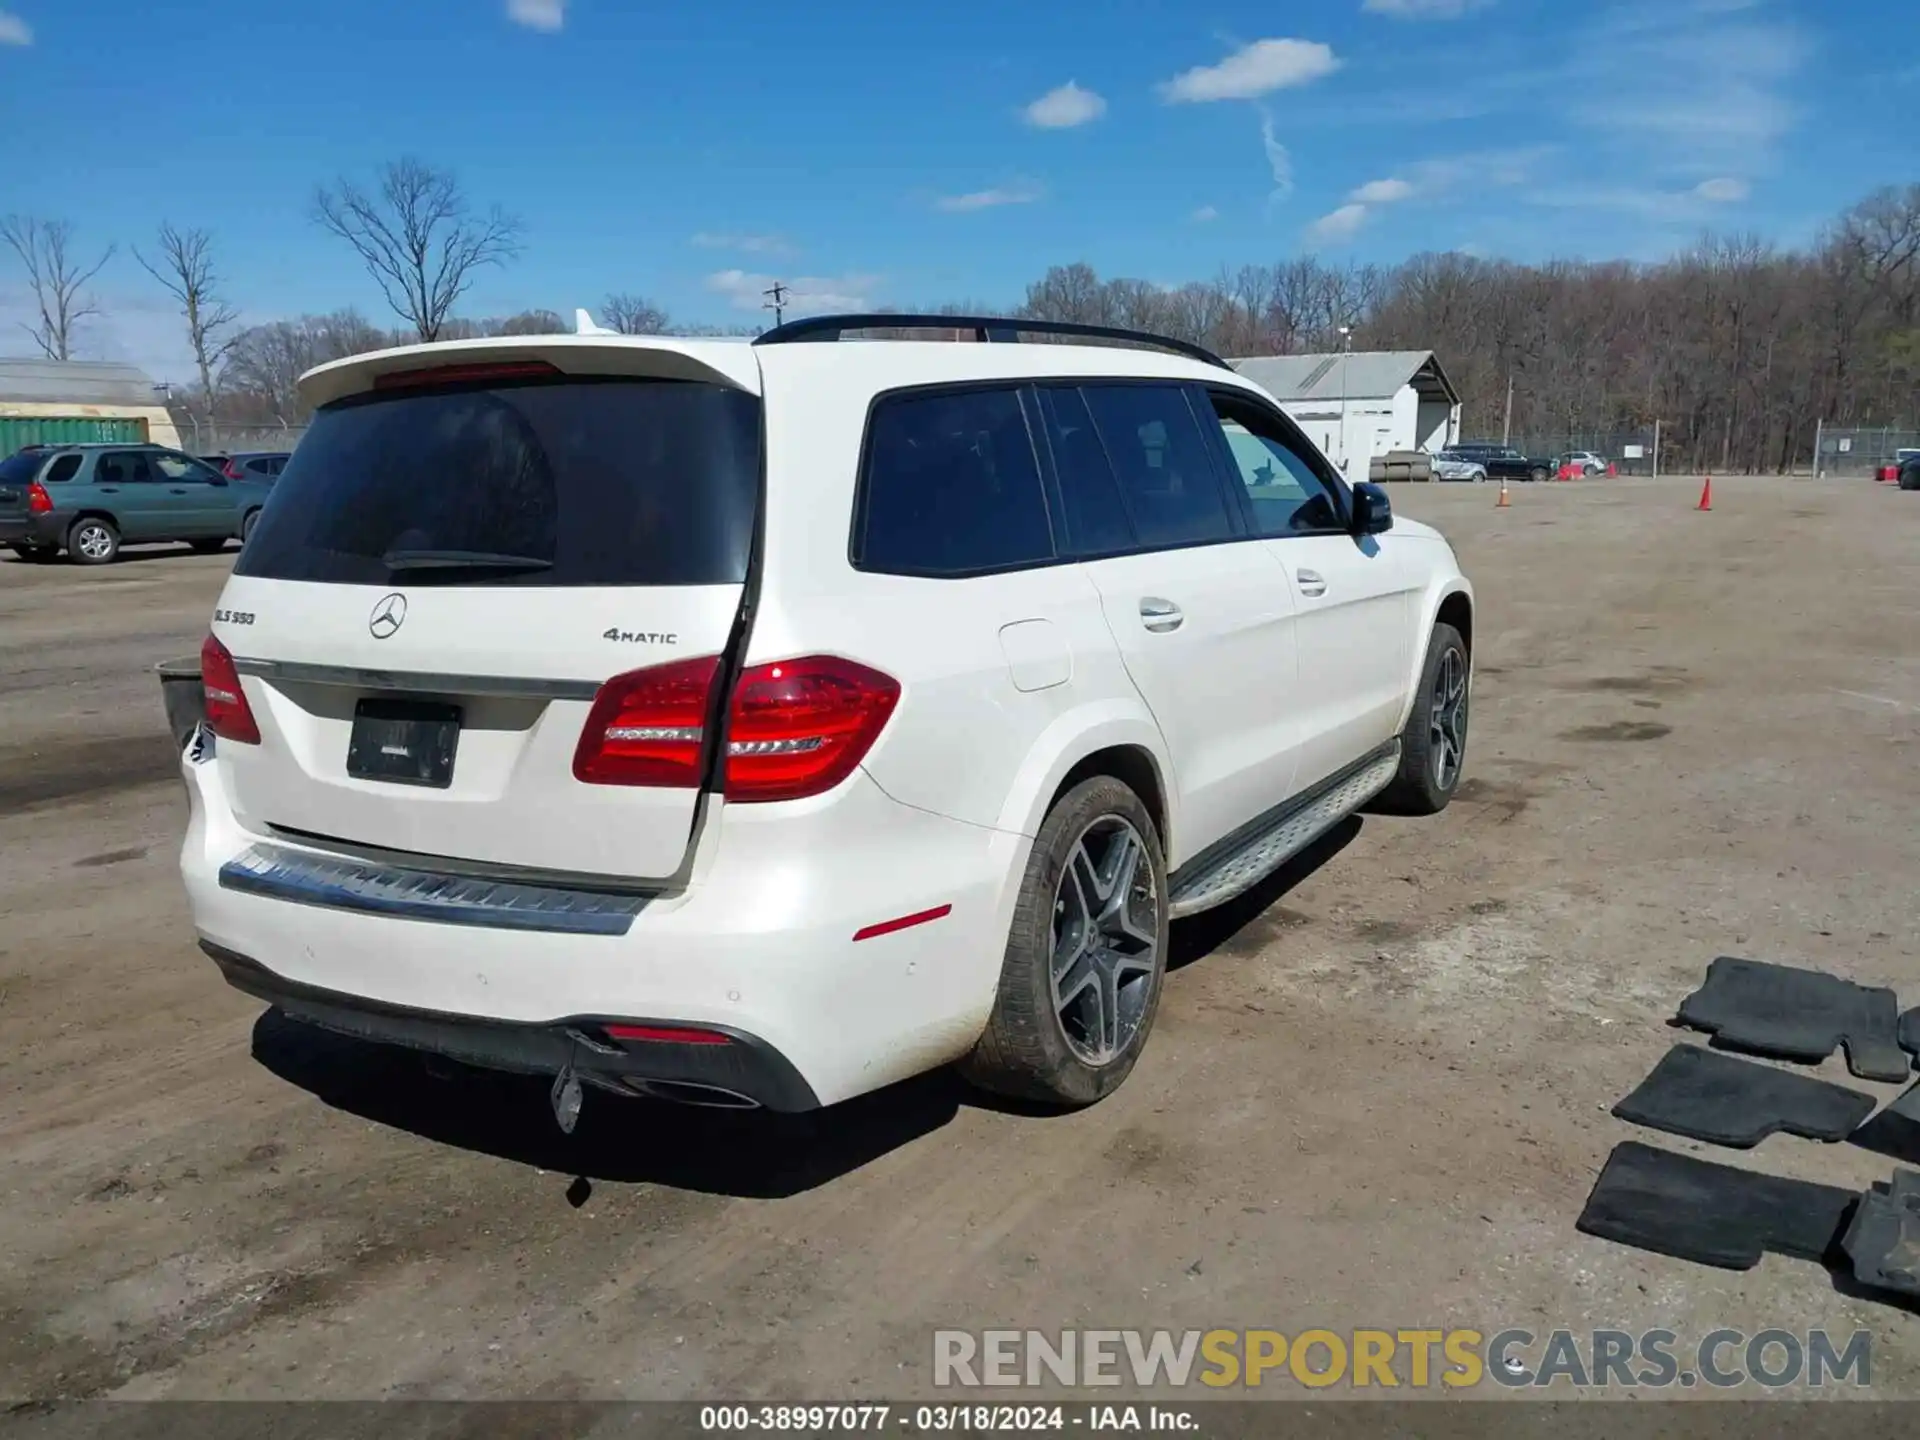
388	616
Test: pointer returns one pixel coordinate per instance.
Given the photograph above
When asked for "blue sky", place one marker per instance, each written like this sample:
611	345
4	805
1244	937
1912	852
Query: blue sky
892	153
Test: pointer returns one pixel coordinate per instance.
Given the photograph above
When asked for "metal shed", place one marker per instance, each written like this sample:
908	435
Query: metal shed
69	401
1361	404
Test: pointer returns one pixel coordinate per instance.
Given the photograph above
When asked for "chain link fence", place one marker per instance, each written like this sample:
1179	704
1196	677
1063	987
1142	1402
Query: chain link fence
1856	452
1630	452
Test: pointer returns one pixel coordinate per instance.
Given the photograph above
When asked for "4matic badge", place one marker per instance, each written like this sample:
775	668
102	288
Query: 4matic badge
640	637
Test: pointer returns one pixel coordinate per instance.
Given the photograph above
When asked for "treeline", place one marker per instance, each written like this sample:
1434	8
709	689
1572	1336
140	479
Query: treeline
1738	347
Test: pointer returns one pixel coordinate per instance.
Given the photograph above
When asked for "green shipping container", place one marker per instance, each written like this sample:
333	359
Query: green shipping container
18	431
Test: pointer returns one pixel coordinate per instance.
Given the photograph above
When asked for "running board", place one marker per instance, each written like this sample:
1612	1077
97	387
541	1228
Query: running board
1274	842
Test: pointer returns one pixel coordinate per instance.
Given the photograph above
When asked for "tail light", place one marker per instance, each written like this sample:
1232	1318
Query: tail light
228	714
233	471
794	728
39	502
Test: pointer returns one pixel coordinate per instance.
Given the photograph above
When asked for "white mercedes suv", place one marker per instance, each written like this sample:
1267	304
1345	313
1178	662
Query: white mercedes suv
761	723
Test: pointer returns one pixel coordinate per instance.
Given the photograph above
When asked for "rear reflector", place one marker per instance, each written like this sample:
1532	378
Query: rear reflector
228	714
464	374
667	1034
904	922
795	728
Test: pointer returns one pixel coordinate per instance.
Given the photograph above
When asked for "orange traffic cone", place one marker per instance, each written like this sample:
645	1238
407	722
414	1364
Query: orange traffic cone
1502	503
1706	495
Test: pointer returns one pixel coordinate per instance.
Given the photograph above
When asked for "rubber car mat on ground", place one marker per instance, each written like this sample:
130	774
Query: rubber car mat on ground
1712	1214
1795	1014
1895	1130
1705	1095
1883	1240
1910	1031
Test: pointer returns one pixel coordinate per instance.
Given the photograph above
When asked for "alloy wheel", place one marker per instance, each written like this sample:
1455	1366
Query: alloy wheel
1447	740
94	542
1106	928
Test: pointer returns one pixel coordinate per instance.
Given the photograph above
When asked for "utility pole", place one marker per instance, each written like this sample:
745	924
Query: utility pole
776	294
1656	449
1506	425
1819	434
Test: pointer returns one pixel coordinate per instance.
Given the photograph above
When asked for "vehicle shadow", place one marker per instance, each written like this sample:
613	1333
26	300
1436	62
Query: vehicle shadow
129	554
1200	936
747	1153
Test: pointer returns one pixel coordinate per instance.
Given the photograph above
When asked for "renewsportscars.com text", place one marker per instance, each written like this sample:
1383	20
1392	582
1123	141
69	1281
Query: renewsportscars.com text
1402	1359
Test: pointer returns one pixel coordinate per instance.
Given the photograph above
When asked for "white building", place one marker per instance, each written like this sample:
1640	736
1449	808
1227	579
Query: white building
1355	406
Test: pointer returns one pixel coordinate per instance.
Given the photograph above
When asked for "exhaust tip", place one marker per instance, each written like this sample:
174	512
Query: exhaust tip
691	1092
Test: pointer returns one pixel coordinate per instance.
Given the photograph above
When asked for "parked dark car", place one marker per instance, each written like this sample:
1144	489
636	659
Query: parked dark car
1909	472
249	464
90	499
1502	462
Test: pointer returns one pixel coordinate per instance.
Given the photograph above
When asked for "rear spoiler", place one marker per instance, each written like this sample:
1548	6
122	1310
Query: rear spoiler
597	352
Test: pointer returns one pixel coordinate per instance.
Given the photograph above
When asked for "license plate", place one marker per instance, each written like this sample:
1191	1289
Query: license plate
404	742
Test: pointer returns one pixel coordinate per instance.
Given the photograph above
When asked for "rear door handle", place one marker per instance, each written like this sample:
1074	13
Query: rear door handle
1312	583
1160	616
177	490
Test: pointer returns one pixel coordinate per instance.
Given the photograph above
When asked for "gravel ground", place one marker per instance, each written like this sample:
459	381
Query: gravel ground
1377	1094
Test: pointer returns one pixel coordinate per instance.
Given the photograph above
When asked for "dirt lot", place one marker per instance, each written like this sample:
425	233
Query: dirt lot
1377	1094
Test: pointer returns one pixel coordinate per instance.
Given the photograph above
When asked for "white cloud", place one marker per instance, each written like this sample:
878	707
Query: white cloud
546	15
1252	71
1339	224
1204	215
1278	160
14	30
1424	9
1686	88
745	244
1382	192
1723	190
1065	107
1020	193
806	294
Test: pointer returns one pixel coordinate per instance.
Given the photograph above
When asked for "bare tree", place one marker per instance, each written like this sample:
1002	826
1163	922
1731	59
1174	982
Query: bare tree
634	315
57	279
418	238
185	271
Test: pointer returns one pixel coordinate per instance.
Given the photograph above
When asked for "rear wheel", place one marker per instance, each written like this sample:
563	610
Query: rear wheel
1086	959
246	526
93	541
1538	475
1433	747
1910	477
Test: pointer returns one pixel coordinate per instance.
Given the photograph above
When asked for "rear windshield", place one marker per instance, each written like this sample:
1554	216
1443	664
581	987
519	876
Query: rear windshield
576	482
21	467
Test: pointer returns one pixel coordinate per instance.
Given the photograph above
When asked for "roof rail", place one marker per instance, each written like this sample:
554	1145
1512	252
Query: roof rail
986	328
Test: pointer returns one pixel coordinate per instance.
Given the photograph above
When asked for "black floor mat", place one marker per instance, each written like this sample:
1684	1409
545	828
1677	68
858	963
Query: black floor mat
1705	1095
1895	1130
1795	1014
1910	1031
1883	1242
1713	1214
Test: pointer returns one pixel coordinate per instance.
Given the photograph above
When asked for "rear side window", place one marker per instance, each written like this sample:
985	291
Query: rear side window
951	487
1096	521
617	482
1163	463
65	468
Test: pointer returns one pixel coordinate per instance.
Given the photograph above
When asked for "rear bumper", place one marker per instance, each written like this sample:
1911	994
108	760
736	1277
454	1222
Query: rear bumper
745	1067
760	945
31	530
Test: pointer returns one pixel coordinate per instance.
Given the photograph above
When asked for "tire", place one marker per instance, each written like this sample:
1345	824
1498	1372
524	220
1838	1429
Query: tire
1422	787
1479	477
93	540
246	526
1910	477
1591	471
1070	1055
1539	476
208	547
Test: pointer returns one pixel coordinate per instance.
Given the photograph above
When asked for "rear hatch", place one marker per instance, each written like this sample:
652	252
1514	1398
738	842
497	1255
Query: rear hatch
446	573
16	473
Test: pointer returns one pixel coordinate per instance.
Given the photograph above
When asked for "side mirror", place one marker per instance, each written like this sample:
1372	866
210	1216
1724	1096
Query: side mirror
1372	510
